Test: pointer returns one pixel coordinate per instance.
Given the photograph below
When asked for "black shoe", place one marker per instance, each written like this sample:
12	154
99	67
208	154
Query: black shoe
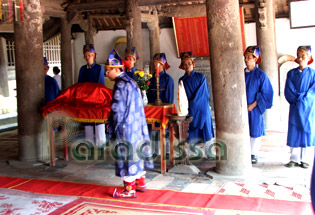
292	164
304	165
254	159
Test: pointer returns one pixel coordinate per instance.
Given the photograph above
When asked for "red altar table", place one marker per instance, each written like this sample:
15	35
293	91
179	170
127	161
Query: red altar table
153	114
159	114
81	102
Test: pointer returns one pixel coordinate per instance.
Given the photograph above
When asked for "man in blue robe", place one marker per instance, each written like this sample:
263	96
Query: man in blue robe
52	90
259	95
300	93
166	82
92	72
128	130
313	186
196	87
131	57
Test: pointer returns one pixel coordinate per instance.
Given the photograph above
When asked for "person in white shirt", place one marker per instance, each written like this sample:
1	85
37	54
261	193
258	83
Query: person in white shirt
57	76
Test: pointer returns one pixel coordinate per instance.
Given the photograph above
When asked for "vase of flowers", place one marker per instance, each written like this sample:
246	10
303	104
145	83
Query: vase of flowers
143	81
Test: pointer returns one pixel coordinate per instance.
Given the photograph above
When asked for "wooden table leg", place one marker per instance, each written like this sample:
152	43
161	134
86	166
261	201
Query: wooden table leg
64	143
162	148
51	142
171	130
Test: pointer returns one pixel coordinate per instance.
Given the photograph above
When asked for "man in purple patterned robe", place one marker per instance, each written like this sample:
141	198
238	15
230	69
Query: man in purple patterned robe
128	130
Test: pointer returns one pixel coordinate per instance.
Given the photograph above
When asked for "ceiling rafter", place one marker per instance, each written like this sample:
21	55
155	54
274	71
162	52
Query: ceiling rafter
110	14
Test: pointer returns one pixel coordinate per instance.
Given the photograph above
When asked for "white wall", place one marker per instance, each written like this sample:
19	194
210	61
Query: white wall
289	39
168	46
250	34
287	42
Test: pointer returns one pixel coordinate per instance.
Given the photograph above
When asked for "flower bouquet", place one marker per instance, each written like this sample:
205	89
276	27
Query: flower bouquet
143	80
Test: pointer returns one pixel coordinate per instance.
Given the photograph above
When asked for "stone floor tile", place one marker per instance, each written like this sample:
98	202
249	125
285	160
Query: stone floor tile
196	188
155	184
163	178
59	175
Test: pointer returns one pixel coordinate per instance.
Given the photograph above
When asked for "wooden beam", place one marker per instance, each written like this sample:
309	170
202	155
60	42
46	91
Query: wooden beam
53	8
147	17
184	11
118	4
164	2
107	16
51	28
247	5
191	10
167	2
71	16
6	28
54	13
100	5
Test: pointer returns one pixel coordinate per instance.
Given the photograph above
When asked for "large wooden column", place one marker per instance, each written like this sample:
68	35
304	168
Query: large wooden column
89	31
4	85
154	34
266	39
66	54
228	84
30	79
134	29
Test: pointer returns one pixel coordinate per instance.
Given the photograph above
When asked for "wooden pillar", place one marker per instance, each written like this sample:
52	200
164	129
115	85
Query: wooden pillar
134	29
228	84
89	31
4	85
30	79
154	35
266	39
66	54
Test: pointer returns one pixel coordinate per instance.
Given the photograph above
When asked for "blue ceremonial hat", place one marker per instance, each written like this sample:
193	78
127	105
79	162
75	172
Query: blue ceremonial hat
161	58
45	61
185	55
131	52
255	51
308	50
89	48
114	60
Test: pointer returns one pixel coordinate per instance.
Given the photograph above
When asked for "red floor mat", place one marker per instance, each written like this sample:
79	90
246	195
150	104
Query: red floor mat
168	198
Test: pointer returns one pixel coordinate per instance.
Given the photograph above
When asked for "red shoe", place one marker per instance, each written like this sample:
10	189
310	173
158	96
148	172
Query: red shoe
141	187
129	191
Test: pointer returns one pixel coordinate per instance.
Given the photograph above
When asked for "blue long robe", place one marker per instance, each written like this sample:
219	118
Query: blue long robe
128	127
259	89
313	186
197	91
300	93
166	82
131	73
51	89
93	74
